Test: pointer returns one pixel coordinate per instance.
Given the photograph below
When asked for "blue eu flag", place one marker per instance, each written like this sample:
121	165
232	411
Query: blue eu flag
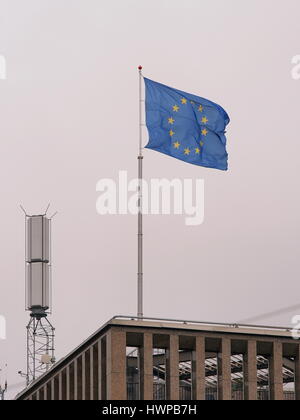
186	126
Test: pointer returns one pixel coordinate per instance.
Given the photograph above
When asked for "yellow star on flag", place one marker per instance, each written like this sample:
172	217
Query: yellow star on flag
177	145
175	108
184	101
197	151
204	120
171	132
171	120
204	132
201	143
187	151
200	108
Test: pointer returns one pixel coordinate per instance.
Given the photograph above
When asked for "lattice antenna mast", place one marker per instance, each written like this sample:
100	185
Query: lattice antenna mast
40	332
3	389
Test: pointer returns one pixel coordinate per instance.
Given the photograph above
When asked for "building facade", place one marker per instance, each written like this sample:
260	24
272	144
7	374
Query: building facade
150	359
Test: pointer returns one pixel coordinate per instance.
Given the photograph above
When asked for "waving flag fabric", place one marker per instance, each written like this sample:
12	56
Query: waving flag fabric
186	126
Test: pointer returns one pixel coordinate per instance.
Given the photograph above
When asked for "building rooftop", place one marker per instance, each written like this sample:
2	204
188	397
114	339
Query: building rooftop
169	324
122	320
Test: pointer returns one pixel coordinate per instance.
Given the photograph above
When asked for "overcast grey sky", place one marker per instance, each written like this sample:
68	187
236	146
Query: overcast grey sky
69	117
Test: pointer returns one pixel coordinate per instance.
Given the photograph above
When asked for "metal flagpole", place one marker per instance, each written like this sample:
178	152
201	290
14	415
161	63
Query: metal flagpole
140	205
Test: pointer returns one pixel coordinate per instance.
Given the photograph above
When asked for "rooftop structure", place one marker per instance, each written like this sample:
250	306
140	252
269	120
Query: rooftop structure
130	359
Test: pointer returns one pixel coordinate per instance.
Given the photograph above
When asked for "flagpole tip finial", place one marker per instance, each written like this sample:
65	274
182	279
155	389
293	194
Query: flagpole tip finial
140	68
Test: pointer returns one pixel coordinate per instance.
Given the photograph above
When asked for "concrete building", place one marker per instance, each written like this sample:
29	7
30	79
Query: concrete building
131	359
